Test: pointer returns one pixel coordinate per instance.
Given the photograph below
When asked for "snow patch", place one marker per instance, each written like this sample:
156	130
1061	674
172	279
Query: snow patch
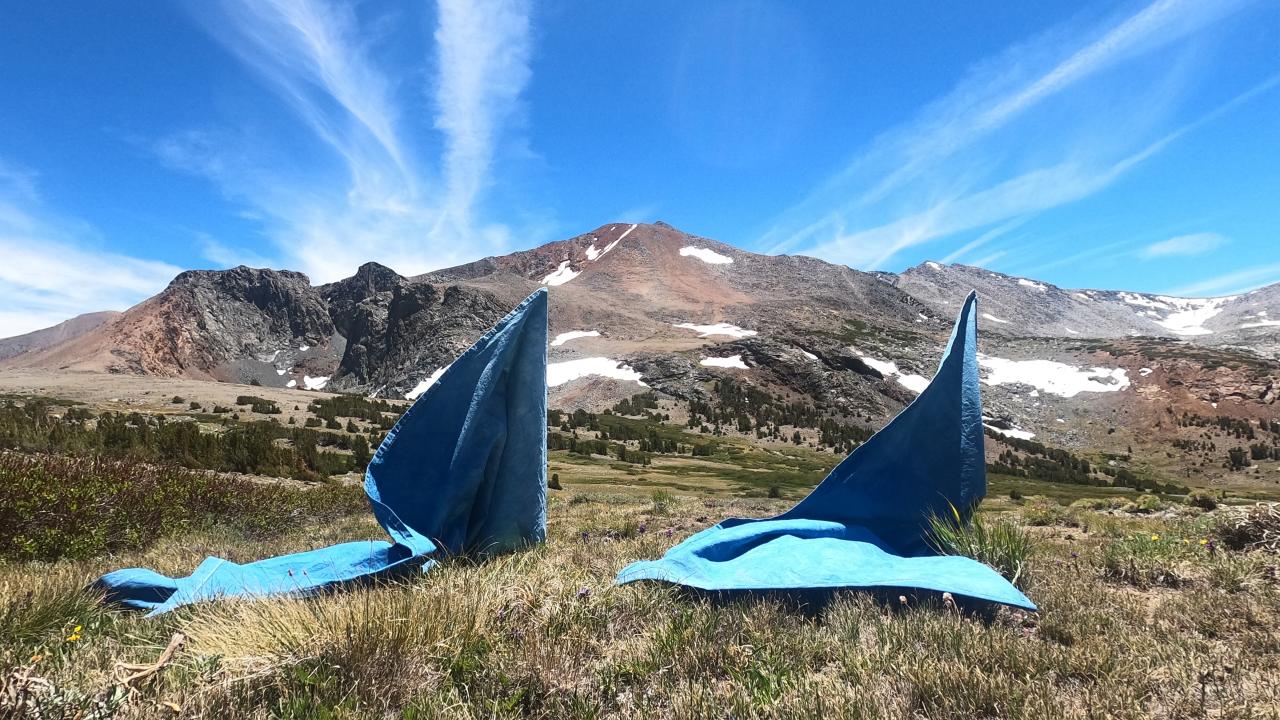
304	348
592	252
565	337
1190	314
718	329
1073	332
291	384
809	355
314	383
1142	301
934	265
914	383
268	358
280	371
562	372
422	386
562	275
1011	432
993	318
733	361
1053	377
1144	372
1260	323
705	255
1033	284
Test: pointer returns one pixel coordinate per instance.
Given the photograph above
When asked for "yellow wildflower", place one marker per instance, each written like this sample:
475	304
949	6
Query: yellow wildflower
1155	538
75	634
1204	541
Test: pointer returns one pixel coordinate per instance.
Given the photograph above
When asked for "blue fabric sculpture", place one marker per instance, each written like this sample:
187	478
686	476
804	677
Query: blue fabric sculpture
866	524
463	471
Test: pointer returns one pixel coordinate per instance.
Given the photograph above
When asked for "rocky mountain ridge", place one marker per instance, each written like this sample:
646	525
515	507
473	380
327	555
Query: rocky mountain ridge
637	306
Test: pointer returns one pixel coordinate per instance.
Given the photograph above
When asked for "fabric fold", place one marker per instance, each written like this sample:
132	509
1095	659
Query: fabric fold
462	471
866	525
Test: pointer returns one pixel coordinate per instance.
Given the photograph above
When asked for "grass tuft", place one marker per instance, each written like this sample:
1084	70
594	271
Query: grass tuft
1004	546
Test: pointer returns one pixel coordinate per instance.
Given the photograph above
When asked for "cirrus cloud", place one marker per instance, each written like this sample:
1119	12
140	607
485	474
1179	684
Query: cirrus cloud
1183	245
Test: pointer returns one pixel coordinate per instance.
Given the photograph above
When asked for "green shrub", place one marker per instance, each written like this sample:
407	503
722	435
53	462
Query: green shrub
1047	512
58	507
1202	498
1111	503
259	404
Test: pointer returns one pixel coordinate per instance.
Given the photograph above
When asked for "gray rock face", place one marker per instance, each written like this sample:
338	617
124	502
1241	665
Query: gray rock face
250	310
398	337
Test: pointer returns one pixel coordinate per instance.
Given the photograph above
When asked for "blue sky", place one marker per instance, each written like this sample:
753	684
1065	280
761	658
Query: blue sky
1130	145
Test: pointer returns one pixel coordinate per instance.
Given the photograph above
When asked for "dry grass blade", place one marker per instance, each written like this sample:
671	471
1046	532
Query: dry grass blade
1254	528
131	673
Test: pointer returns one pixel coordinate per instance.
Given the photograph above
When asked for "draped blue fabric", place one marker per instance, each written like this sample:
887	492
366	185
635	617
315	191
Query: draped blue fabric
866	524
463	471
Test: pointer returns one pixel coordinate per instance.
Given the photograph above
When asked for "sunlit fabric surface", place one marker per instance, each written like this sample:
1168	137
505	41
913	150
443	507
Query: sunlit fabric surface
463	471
866	524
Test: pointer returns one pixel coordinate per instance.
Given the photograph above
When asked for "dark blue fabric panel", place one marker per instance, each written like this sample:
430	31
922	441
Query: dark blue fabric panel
866	524
464	470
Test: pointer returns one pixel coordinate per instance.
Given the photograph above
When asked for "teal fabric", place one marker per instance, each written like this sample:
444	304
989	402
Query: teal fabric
463	471
865	525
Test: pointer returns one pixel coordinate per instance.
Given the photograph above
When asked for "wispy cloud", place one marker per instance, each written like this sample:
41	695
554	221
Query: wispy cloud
1183	245
483	49
983	239
393	199
1046	123
1231	283
51	269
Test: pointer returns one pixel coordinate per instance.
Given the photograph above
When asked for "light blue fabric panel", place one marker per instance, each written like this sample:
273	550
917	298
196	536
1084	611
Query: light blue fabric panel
865	525
463	471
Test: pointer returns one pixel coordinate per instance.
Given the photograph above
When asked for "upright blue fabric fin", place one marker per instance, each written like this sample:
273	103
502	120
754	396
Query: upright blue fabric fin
463	471
865	525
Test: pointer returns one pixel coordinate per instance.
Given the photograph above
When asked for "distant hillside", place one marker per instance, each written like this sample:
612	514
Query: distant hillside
63	331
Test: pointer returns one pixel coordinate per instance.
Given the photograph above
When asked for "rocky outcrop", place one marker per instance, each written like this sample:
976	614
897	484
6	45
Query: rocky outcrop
398	336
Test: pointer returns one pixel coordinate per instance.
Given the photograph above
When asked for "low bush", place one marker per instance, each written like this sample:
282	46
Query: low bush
72	507
1204	499
1149	504
1111	503
1044	512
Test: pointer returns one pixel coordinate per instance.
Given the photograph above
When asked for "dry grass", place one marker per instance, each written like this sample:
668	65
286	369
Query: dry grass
544	633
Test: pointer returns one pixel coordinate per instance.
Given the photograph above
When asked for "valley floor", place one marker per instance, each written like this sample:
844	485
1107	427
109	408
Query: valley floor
1141	616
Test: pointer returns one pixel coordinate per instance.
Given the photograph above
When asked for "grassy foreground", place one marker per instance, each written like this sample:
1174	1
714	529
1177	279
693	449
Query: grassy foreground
1141	616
